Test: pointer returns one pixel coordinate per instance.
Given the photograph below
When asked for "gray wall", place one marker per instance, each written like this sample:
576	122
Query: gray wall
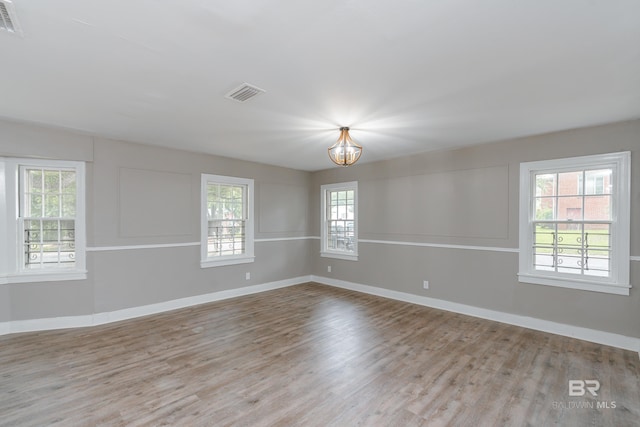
435	198
144	195
5	304
470	197
121	218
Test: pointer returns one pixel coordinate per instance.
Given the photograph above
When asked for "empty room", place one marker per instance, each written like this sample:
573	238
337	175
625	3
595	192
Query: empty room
319	213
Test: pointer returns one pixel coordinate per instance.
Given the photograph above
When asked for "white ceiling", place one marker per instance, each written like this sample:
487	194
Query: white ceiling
407	76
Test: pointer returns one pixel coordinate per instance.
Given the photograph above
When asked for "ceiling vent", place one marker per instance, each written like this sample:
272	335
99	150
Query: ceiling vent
8	18
244	92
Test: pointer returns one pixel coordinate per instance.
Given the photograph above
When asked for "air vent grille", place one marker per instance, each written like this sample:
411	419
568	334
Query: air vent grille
8	19
244	92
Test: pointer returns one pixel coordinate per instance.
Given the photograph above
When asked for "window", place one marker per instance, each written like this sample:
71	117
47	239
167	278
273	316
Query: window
340	221
227	220
574	222
595	182
43	220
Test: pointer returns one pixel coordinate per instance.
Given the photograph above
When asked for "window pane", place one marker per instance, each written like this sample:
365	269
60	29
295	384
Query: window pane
212	192
597	208
569	248
68	182
545	185
598	249
575	241
341	220
49	243
67	236
582	249
47	194
598	237
543	261
237	193
568	183
34	184
598	181
350	213
226	237
34	205
32	232
51	205
51	181
225	201
69	205
33	255
49	231
545	208
544	246
570	208
226	225
340	236
544	237
581	183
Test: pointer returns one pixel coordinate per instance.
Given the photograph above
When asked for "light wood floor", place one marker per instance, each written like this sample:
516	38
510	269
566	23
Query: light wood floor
310	355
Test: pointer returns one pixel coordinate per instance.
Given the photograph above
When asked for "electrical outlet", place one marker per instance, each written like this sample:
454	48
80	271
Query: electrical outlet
425	284
247	276
328	269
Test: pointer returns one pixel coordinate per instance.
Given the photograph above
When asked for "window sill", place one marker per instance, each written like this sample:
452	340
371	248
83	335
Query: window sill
584	285
49	276
208	263
336	255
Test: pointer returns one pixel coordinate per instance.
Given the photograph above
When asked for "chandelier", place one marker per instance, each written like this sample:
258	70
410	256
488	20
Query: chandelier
345	152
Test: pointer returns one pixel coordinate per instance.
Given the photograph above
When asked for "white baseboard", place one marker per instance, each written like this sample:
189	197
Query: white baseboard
4	328
80	321
600	337
49	323
592	335
145	310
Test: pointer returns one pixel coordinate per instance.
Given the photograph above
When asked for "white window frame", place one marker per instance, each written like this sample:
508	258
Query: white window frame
325	251
11	270
618	282
218	261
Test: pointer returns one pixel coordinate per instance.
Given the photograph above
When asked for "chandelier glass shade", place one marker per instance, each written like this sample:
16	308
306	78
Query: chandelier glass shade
345	151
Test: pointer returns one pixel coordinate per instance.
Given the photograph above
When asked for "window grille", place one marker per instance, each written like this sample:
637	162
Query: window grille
340	221
47	217
572	226
226	221
575	222
226	225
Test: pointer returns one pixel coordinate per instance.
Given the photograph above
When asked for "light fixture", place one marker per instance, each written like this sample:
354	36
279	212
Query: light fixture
345	152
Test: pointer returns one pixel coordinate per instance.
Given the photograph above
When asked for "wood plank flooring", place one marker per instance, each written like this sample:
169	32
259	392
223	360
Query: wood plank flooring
311	355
